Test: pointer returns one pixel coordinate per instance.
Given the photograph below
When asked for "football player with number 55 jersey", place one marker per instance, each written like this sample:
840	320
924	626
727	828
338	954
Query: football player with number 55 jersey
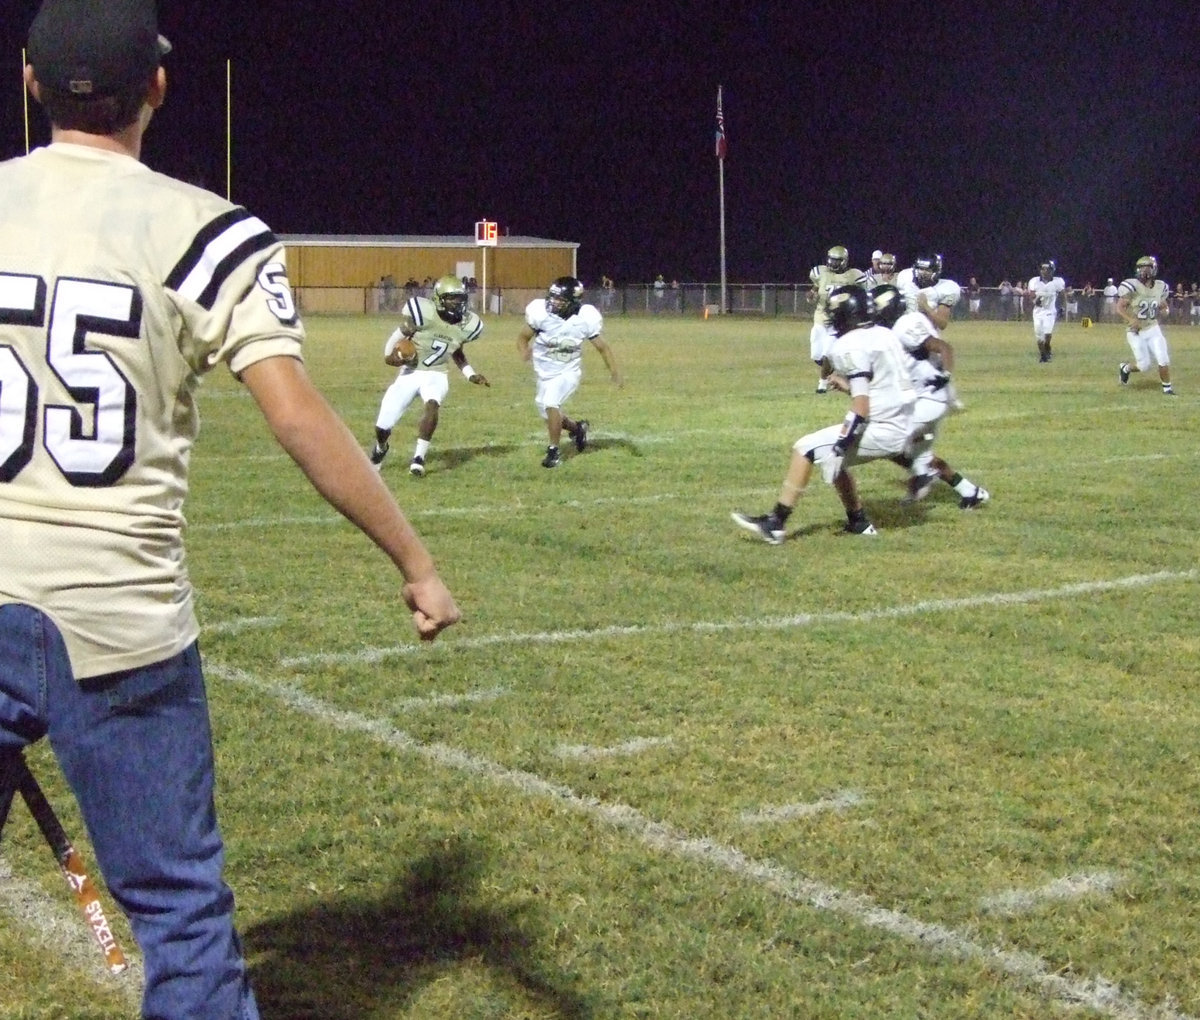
556	328
120	288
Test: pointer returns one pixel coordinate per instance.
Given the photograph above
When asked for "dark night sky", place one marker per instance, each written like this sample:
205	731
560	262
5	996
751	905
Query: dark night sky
997	134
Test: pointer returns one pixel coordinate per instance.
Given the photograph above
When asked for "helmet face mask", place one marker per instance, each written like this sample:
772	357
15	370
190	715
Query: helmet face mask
564	297
837	259
1147	268
450	298
887	264
1047	270
849	308
927	270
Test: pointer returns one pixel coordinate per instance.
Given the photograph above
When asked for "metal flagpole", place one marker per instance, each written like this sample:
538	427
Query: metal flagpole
25	100
229	130
721	149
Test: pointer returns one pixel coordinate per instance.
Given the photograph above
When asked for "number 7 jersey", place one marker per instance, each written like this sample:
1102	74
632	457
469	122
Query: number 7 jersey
119	289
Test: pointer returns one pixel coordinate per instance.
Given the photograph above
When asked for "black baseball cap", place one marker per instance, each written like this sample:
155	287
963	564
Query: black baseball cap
95	47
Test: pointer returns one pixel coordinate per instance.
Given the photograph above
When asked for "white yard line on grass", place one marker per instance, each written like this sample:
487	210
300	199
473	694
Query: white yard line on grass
1071	887
929	606
1097	993
586	753
63	933
448	700
786	812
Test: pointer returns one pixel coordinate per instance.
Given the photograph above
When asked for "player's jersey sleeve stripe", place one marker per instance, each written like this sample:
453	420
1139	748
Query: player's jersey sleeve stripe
216	252
413	307
475	332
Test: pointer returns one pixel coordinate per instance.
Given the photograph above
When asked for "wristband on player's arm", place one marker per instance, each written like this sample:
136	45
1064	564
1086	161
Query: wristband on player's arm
853	426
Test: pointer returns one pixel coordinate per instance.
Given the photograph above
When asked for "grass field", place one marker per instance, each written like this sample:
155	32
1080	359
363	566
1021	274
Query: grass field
663	770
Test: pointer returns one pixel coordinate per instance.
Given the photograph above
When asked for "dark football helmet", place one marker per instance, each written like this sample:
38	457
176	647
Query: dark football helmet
565	297
450	298
927	270
1047	269
837	259
887	304
849	307
1147	268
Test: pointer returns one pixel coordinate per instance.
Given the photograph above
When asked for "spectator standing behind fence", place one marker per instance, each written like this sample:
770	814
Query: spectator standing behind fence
1110	300
974	297
1006	299
1089	301
1194	312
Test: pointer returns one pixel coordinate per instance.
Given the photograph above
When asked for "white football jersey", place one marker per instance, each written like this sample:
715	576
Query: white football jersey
558	343
119	289
874	353
1045	292
944	292
912	329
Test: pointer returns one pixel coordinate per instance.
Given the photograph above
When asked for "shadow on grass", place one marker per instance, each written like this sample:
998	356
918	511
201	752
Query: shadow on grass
445	460
350	958
614	443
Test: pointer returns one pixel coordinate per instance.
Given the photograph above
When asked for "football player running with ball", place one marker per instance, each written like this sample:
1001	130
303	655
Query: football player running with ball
431	334
1140	301
555	330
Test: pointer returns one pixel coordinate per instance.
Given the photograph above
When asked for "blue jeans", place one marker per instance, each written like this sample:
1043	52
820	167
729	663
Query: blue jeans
136	749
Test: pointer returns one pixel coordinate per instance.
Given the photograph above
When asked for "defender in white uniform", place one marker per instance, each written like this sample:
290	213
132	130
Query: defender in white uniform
556	328
1043	291
930	360
1141	302
869	364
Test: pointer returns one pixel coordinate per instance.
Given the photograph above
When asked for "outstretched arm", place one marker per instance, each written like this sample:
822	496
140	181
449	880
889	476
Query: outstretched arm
320	443
610	359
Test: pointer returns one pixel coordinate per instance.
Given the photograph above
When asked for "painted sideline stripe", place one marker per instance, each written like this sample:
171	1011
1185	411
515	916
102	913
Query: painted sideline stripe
838	802
1071	887
448	700
1019	598
635	746
64	934
1096	993
482	510
240	624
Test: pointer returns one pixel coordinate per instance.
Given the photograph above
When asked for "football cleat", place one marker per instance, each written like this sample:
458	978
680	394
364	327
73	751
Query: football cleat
764	527
580	435
863	527
1123	373
919	486
551	460
417	467
975	500
378	453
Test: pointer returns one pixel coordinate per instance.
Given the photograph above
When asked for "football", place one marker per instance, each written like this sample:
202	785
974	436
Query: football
406	349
